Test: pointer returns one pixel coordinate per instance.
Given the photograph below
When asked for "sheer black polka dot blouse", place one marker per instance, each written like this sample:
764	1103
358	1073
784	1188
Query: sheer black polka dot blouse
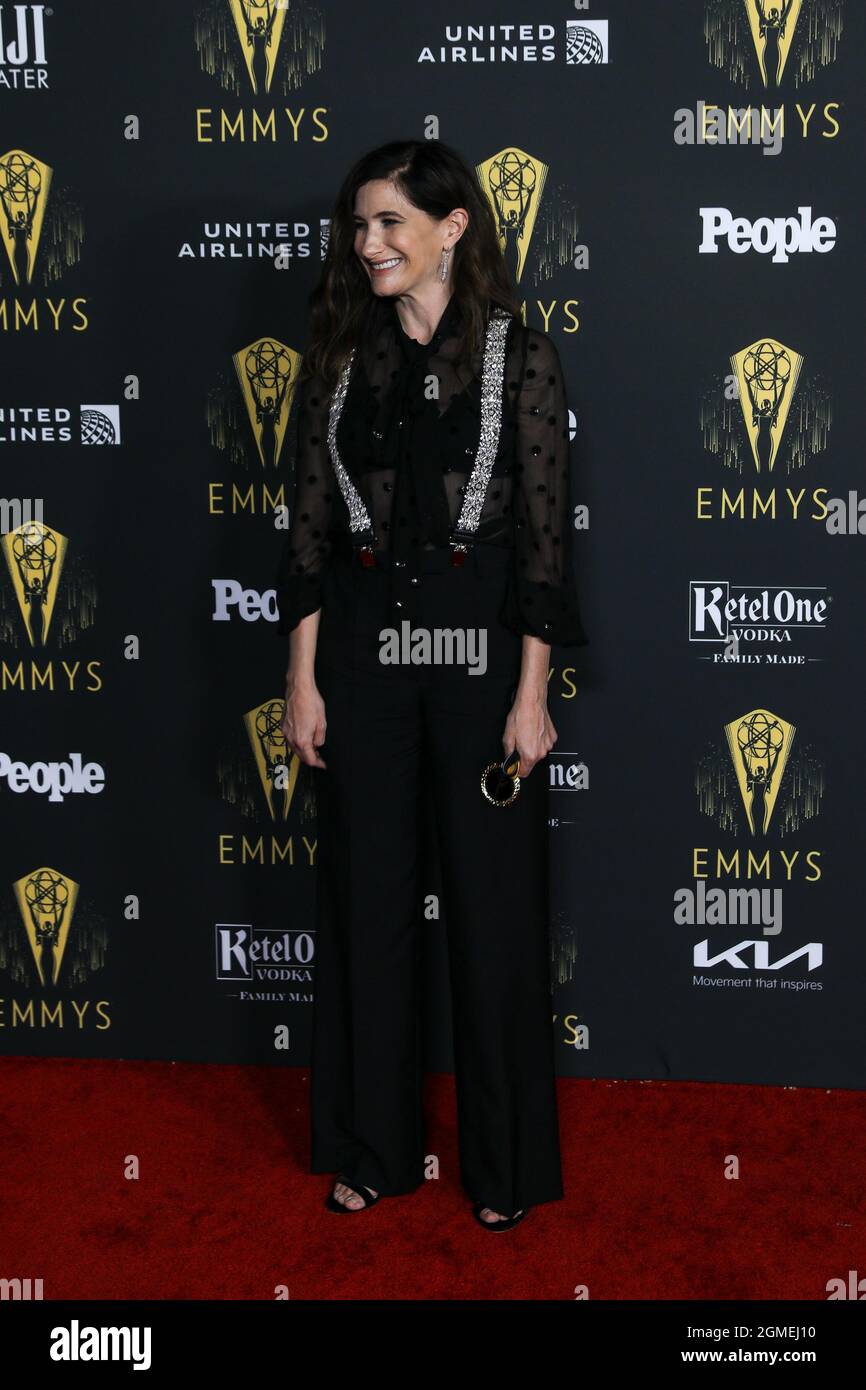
411	450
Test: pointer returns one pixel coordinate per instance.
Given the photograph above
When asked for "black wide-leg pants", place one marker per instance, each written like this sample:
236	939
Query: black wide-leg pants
389	726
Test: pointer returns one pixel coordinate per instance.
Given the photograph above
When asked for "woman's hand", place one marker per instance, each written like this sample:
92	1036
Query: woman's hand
529	729
304	723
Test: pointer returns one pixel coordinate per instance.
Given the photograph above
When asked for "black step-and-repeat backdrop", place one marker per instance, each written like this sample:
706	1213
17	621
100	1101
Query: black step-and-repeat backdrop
679	191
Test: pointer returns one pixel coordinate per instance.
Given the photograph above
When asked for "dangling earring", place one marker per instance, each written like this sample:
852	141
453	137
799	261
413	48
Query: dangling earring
443	264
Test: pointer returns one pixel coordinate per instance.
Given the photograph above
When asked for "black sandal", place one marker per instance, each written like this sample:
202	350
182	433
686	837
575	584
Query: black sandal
334	1204
506	1225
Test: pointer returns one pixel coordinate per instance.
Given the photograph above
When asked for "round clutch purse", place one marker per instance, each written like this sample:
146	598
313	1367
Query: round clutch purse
500	782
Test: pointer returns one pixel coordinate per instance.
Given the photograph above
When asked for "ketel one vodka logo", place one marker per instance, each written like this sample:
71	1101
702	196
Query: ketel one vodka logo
766	373
277	766
46	901
24	185
34	557
513	181
267	370
760	744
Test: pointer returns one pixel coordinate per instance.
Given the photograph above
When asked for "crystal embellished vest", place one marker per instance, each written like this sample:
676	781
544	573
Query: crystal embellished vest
360	525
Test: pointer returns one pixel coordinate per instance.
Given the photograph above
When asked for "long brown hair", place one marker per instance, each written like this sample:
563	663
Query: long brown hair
433	177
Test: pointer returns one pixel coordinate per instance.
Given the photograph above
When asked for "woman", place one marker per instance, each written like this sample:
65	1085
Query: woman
432	496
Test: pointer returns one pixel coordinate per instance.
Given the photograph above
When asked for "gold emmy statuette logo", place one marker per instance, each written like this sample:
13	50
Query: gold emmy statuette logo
34	557
513	182
260	26
277	767
767	373
24	184
267	371
772	23
760	745
46	901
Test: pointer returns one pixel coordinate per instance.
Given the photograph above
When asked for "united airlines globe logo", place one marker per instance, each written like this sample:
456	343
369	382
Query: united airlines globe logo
97	428
583	45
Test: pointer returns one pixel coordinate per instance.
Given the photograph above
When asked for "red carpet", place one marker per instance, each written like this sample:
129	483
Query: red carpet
223	1206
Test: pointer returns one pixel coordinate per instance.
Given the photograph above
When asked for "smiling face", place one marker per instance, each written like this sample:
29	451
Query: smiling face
399	246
